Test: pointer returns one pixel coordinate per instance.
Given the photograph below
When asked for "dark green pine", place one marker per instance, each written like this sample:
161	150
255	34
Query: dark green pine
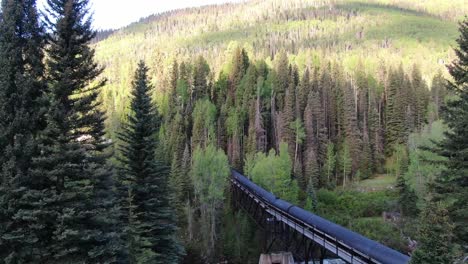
407	198
152	221
180	180
74	152
200	79
435	235
394	111
24	221
452	185
282	79
21	85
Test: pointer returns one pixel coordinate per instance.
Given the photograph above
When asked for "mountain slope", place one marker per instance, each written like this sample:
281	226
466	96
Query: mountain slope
376	32
350	113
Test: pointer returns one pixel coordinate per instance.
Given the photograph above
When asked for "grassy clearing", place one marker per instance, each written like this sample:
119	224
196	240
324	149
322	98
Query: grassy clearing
378	183
362	213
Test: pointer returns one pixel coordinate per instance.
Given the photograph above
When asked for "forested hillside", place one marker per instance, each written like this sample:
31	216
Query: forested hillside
341	86
305	97
116	147
377	34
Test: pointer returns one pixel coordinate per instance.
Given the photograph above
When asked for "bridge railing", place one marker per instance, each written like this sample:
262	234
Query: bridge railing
344	243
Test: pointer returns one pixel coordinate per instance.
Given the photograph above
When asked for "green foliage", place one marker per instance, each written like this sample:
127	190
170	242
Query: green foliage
299	135
398	163
180	180
378	182
407	198
273	172
182	90
452	185
73	158
310	181
299	132
151	227
233	122
400	31
204	119
311	202
335	121
421	170
238	64
395	109
25	218
210	171
282	79
240	237
362	213
330	162
377	229
435	236
438	94
343	206
345	162
201	71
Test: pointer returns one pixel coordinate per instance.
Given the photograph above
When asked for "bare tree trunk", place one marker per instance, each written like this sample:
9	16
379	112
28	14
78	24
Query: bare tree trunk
344	175
189	220
260	132
213	226
274	122
295	154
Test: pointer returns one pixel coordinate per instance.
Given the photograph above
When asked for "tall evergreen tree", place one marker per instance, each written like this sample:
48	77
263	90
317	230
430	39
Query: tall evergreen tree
180	178
204	121
407	198
251	140
311	167
23	231
288	117
311	170
325	85
363	106
394	112
435	236
452	184
438	93
172	100
152	227
299	135
302	94
337	101
73	147
376	128
21	78
238	66
283	79
421	97
201	71
352	133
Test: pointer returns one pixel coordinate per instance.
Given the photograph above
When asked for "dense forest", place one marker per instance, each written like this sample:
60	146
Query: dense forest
116	147
370	32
